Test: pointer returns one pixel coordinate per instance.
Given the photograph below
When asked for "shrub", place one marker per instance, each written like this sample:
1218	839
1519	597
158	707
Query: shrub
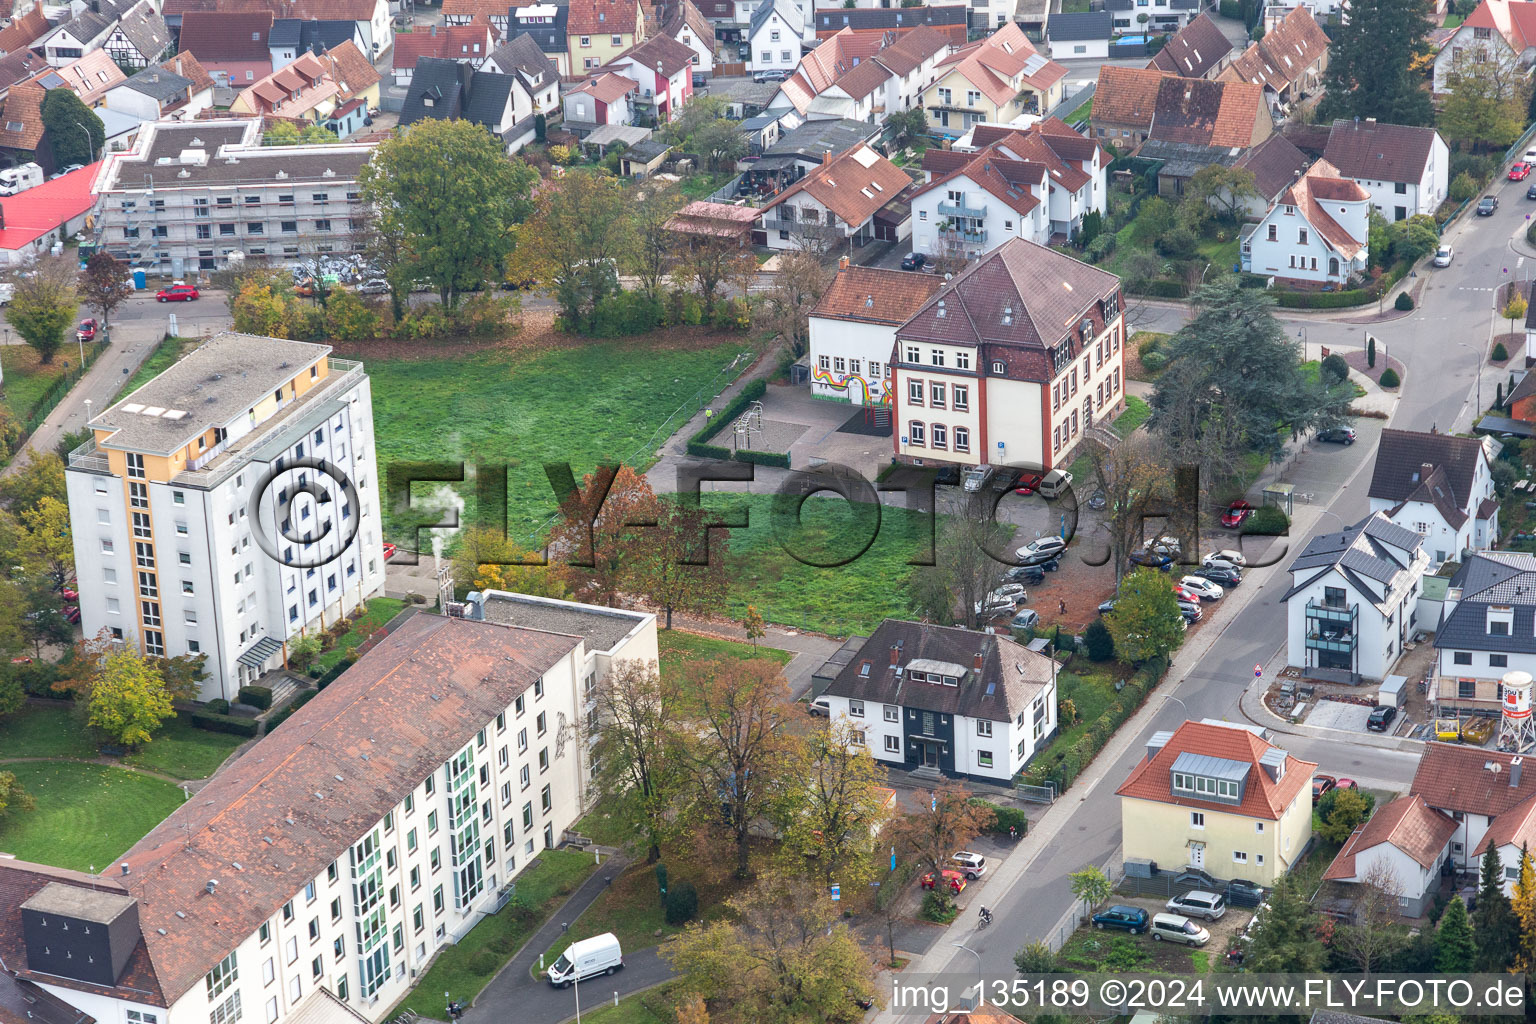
682	903
1093	225
226	723
626	313
779	459
1154	361
1006	818
937	907
1267	521
1500	353
256	697
1100	248
1179	244
1336	367
1403	302
1370	351
217	706
1162	288
1479	168
1250	280
1464	187
1097	640
1389	378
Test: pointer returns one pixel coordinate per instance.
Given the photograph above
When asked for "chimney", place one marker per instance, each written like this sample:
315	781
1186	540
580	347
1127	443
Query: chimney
895	655
434	31
826	156
125	870
1514	772
842	264
213	883
1425	468
978	661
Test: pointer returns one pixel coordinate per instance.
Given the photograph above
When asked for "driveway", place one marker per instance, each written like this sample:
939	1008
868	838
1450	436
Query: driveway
1336	714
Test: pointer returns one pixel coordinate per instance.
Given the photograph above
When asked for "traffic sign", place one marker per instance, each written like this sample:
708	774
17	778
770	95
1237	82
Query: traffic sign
837	893
1258	671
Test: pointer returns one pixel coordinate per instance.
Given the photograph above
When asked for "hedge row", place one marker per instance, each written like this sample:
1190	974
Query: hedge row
1344	299
328	677
780	459
256	696
716	423
1069	764
1161	288
226	723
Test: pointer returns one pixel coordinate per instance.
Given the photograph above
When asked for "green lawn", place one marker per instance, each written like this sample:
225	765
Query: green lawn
165	353
1136	413
653	1006
86	814
27	379
1092	692
468	967
851	595
184	752
380	611
703	185
678	647
600	401
44	731
1453	20
1222	255
1081	113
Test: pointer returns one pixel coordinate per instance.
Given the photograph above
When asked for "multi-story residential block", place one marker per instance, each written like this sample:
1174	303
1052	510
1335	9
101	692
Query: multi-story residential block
1011	363
1220	798
853	331
1316	235
1485	630
319	874
1353	599
947	700
992	80
188	196
597	31
1439	486
1406	169
191	537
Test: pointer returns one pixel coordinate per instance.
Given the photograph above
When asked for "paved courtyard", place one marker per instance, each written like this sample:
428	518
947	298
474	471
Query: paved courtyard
1336	714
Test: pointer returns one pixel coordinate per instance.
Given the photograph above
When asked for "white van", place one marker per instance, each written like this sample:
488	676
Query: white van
20	178
586	959
976	478
1056	481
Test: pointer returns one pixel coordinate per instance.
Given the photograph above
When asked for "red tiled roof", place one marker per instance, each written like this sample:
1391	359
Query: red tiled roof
671	55
227	35
1515	827
187	66
1127	96
1407	823
1320	182
1515	22
990	63
1263	797
713	220
1456	778
451	42
607	87
23	106
23	31
303	10
910	49
1284	54
1194	49
864	79
853	185
476	10
602	17
88	77
39	210
876	296
1202	113
353	72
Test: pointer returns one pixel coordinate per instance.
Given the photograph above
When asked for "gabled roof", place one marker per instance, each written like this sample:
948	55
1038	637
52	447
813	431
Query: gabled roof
439	90
687	15
1471	780
226	35
353	72
187	66
20	66
853	185
606	86
911	49
145	29
1207	113
864	79
1086	25
1275	163
786	10
475	10
834	57
1506	578
990	64
950	20
546	23
24	30
21	117
1194	49
603	17
1513	21
713	220
1283	55
1127	96
88	77
868	295
159	84
521	55
1515	827
1321	183
1263	796
1010	676
1375	548
87	25
489	94
1407	823
671	56
1402	454
1380	152
474	41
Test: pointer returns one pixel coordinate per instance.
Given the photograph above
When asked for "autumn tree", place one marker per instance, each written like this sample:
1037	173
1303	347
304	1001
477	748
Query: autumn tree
1218	189
1523	903
1091	886
128	699
1138	485
46	545
738	750
577	238
635	764
387	248
966	565
678	566
12	796
799	284
105	285
1486	93
486	559
449	188
260	307
782	957
752	626
600	532
41	476
1145	622
655	249
43	305
945	822
1495	929
1377	931
831	816
183	675
707	263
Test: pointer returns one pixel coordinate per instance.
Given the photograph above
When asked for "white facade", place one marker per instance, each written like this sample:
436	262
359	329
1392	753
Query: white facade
1076	49
1397	200
851	360
775	42
703	48
961	216
1285	244
1482	42
1442	540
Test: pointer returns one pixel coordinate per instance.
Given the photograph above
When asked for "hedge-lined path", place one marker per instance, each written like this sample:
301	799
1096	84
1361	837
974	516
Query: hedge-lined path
107	762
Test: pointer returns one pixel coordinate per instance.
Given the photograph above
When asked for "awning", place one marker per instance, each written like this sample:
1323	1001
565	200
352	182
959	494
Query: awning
1503	425
258	653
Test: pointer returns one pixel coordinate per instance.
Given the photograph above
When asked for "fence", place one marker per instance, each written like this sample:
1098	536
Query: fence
729	70
1518	149
1074	101
393	104
51	398
1045	794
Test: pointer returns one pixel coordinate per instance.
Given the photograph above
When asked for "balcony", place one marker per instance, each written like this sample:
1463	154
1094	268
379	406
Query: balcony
1331	640
90	459
1336	614
961	210
976	237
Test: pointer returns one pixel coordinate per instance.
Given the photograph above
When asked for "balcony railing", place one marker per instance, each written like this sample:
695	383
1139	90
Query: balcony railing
961	235
1327	640
961	210
89	458
1342	614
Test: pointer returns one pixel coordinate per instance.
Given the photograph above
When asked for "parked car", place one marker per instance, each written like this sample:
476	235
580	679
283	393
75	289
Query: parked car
1031	574
1107	606
994	605
1097	501
87	330
1042	550
1177	928
374	286
1054	483
389	551
1344	783
585	959
1444	254
69	595
971	865
1322	784
1519	171
954	879
1235	514
1151	559
1486	206
1338	435
1186	595
72	613
1381	718
1191	611
1225	578
1243	893
770	76
1207	906
1203	588
176	293
819	708
1132	919
1027	483
913	261
1227	555
1026	618
1530	192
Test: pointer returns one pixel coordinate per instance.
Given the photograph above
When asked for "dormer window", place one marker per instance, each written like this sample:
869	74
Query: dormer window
1501	620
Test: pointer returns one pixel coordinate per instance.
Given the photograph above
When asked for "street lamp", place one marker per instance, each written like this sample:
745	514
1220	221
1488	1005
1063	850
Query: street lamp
1477	369
1180	703
90	144
981	990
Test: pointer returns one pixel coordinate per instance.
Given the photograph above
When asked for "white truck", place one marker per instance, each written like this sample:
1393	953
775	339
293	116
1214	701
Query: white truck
585	959
20	178
7	291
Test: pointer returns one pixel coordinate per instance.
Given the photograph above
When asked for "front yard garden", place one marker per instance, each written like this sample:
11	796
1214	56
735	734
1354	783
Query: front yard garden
86	814
380	611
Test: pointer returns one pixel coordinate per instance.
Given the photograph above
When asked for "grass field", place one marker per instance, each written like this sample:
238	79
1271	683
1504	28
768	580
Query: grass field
678	647
178	750
165	353
184	752
468	967
854	584
380	611
1082	113
27	379
702	186
44	731
86	814
600	402
653	1006
1136	413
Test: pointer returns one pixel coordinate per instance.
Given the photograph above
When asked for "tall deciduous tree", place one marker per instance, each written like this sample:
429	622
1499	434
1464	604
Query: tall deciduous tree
1486	98
575	242
41	477
486	559
1523	903
962	567
12	796
601	532
1220	189
707	263
43	305
128	699
1455	950
676	567
1145	621
1137	483
738	749
635	765
74	132
1372	64
105	285
1495	929
834	808
47	546
448	187
1377	932
946	820
802	279
655	249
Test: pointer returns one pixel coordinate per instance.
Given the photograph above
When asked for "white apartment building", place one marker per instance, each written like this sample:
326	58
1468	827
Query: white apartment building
169	554
853	331
316	878
1439	486
190	196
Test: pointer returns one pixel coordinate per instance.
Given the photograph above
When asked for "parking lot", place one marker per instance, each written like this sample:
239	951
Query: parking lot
1085	945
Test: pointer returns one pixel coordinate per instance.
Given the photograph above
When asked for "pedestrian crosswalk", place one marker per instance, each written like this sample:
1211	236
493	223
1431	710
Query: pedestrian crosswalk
1470	288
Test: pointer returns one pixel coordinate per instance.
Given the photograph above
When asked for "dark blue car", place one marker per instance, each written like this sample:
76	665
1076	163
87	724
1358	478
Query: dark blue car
1131	919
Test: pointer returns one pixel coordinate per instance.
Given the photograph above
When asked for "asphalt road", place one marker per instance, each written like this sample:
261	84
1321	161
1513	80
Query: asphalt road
1442	345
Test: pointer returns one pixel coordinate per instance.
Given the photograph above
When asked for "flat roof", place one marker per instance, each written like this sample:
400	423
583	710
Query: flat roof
99	906
210	386
602	628
230	154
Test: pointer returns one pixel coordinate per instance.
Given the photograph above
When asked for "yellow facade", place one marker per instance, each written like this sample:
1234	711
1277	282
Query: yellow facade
1225	844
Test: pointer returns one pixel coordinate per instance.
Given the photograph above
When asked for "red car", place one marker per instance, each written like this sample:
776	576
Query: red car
954	879
1235	514
389	551
176	293
1322	784
69	595
72	613
1520	171
1344	783
1027	483
86	331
